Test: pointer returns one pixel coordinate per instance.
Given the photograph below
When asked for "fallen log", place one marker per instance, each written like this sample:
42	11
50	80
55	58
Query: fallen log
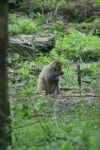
74	88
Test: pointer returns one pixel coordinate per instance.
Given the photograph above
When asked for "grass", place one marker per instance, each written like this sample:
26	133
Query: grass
53	123
74	128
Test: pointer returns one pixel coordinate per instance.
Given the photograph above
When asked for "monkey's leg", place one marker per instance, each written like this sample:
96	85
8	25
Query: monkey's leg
58	86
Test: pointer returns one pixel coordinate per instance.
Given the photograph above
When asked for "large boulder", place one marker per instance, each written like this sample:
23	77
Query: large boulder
23	50
44	44
27	45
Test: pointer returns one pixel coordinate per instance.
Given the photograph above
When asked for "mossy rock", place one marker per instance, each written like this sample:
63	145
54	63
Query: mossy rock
24	51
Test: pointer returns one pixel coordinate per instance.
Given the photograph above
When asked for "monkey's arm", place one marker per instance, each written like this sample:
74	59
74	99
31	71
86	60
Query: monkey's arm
54	75
58	86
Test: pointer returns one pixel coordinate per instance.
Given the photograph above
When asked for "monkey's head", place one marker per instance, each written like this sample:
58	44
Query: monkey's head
57	65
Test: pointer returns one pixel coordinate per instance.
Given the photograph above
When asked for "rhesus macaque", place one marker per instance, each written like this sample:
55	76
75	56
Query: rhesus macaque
49	78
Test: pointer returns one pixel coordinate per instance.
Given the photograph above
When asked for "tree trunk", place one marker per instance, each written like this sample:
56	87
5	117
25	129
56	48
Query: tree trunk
5	122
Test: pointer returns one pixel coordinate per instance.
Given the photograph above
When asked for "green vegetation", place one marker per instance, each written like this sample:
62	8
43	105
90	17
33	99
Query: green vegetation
72	124
73	129
77	45
22	25
64	122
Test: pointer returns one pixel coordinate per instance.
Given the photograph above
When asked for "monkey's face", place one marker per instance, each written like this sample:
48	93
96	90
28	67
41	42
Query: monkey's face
57	66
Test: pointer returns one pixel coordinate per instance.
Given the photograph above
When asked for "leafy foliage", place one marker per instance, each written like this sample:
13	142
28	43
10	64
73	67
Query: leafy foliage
73	128
22	25
77	45
40	122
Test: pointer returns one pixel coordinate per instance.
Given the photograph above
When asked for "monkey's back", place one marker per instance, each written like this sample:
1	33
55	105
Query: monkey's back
43	82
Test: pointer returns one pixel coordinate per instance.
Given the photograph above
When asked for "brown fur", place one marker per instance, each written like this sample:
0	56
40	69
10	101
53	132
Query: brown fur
49	78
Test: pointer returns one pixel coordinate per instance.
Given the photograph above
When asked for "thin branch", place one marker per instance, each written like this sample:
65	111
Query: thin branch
79	95
74	88
93	28
29	124
56	121
79	74
55	12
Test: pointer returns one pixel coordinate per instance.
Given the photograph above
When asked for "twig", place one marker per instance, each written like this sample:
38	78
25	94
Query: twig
29	124
73	88
55	12
79	95
93	28
56	121
79	74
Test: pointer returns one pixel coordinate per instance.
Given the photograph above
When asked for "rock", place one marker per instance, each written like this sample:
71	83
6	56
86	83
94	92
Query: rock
22	44
22	50
11	4
90	54
22	39
10	53
32	67
44	44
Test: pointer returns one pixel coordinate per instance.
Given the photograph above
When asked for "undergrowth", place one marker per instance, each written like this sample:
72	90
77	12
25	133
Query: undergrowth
54	123
47	122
